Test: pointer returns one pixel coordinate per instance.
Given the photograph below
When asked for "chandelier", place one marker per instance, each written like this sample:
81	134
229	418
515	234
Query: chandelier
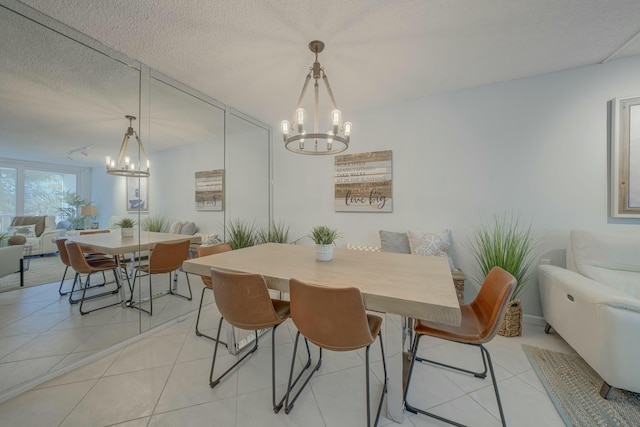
123	166
334	141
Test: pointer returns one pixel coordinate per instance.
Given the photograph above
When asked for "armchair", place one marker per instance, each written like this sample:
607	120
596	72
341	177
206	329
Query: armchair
11	261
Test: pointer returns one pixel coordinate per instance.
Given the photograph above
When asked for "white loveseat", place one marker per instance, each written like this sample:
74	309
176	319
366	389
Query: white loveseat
594	304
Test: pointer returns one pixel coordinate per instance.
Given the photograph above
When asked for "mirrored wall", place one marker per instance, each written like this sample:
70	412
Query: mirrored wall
60	91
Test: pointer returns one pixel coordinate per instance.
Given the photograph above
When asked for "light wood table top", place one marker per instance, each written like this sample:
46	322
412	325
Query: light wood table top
114	244
413	286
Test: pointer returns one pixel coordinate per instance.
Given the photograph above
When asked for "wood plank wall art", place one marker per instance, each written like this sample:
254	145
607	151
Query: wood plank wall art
210	190
363	182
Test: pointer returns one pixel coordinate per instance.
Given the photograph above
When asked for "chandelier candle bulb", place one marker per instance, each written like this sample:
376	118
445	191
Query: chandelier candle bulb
284	126
108	160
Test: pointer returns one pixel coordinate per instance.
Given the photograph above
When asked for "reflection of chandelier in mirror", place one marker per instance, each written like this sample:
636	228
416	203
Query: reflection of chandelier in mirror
123	166
332	142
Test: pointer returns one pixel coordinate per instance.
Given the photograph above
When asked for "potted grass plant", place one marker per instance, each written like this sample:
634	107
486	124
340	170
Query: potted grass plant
126	227
506	242
276	232
157	223
241	233
324	238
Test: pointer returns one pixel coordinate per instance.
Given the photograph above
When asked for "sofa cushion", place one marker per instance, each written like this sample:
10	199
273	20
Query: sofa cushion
429	243
394	242
609	258
38	221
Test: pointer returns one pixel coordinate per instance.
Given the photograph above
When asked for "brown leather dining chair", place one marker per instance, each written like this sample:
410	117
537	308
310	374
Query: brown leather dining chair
80	264
165	258
333	319
206	251
481	320
64	257
244	302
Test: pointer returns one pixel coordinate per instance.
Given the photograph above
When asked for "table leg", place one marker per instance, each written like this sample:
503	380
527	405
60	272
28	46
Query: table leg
393	332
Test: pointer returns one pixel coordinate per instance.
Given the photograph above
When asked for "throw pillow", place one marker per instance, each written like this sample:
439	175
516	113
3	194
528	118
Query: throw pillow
175	228
22	230
188	228
394	242
17	240
431	244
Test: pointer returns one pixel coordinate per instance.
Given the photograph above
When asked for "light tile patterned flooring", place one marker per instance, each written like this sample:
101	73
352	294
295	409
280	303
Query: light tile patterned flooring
162	380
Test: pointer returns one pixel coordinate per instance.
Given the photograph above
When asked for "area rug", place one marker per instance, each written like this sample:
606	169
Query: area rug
574	389
41	270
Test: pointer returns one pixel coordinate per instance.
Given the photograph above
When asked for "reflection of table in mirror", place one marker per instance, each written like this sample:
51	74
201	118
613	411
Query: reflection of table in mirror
114	244
394	284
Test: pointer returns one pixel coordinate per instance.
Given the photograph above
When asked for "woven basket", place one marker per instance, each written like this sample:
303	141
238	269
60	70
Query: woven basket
512	323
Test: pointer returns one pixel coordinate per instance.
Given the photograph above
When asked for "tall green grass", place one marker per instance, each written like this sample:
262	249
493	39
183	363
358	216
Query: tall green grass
505	242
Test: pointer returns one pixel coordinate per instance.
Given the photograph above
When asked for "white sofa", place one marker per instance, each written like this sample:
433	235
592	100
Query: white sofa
594	304
45	232
11	261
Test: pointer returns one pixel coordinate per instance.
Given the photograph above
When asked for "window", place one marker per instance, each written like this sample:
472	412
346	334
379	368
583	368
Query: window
625	158
36	189
8	184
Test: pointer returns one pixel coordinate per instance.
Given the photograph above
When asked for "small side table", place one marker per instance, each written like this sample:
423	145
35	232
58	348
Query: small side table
28	248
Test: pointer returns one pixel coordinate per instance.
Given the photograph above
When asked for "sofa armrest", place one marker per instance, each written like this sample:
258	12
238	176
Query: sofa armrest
47	243
589	290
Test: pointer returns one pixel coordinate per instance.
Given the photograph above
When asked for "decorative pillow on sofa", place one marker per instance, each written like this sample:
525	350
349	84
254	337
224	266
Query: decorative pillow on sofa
394	242
39	222
22	230
176	227
188	228
431	243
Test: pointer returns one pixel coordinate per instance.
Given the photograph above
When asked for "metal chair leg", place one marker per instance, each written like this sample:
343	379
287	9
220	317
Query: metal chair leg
288	406
212	382
190	297
414	357
87	286
198	333
64	275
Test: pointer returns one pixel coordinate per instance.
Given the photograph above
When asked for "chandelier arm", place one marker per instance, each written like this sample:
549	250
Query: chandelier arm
124	148
302	92
329	91
144	153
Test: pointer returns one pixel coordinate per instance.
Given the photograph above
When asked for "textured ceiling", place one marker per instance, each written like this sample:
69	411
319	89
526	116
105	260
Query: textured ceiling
253	55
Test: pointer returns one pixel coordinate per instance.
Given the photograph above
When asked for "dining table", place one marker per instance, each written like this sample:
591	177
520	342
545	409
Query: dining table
114	244
397	285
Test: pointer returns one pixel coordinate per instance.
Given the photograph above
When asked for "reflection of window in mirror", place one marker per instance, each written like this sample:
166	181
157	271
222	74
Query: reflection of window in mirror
626	158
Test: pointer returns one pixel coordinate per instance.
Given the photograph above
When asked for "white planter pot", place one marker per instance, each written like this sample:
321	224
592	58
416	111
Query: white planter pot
324	253
126	232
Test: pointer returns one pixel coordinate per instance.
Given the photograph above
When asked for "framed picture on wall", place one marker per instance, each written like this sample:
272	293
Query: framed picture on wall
624	143
210	190
137	194
363	182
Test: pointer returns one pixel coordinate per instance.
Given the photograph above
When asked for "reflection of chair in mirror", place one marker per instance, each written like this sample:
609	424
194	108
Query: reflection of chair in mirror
64	257
333	319
164	258
205	251
11	261
80	264
244	302
481	320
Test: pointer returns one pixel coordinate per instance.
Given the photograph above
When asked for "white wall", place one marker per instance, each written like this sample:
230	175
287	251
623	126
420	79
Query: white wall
536	146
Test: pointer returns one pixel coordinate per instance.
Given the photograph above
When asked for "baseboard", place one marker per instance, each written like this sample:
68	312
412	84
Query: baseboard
533	320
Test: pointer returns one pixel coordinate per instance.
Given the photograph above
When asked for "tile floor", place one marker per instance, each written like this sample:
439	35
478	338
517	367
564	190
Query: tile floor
162	380
41	332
